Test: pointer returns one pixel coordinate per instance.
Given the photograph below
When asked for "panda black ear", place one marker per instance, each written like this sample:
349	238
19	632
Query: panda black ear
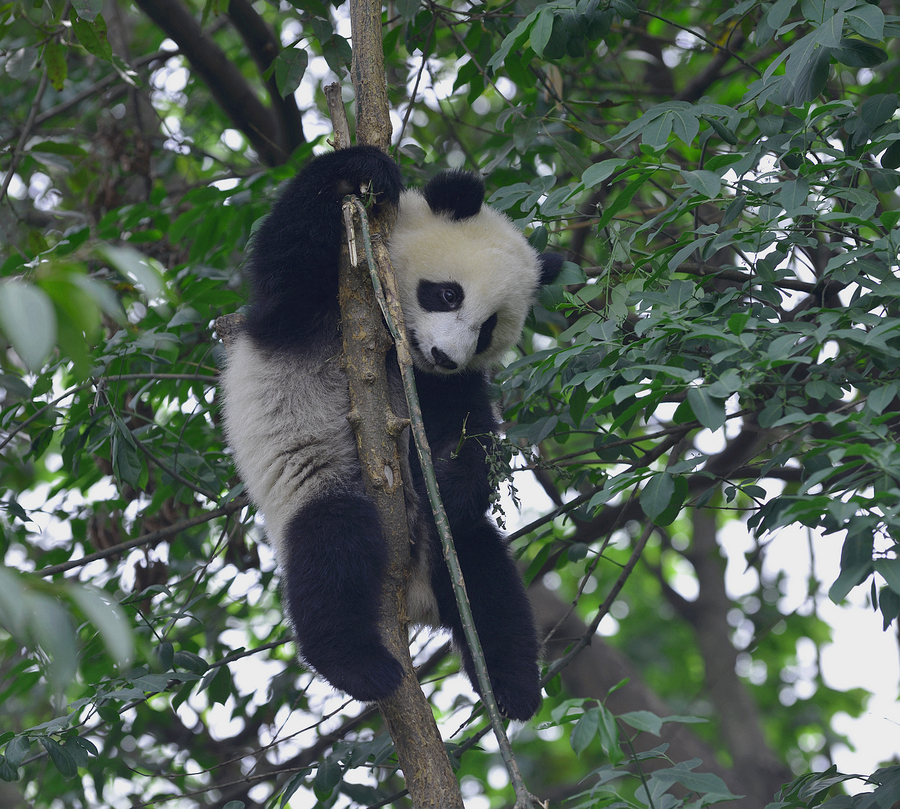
550	265
456	193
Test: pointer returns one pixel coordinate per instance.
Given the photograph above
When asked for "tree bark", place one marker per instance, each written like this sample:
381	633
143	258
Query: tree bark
600	668
737	712
420	749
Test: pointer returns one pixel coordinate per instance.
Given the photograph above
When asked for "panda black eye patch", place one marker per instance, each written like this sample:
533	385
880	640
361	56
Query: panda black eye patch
485	333
441	296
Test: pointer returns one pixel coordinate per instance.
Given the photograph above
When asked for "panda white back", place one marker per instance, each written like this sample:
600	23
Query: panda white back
285	420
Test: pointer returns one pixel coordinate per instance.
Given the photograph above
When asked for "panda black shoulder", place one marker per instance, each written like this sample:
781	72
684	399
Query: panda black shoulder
458	194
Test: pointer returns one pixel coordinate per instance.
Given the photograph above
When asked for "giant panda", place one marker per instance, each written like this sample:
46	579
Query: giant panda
467	279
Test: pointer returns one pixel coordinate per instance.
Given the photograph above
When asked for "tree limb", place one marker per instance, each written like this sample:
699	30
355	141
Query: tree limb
603	672
264	48
737	712
380	437
225	81
147	539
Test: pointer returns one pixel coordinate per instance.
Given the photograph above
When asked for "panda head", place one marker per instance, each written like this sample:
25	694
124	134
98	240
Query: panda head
467	275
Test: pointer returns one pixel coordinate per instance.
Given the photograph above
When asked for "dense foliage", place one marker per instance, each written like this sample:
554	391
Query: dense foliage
721	357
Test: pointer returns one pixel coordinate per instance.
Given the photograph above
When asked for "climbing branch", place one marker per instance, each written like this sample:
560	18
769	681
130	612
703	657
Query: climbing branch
388	296
380	435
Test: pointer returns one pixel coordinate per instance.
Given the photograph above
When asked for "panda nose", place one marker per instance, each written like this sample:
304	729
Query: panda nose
442	360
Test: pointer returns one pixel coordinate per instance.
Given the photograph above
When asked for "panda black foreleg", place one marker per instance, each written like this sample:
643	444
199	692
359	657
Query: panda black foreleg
333	564
503	618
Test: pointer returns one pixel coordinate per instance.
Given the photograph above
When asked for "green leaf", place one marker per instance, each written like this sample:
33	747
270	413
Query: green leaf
596	174
657	494
881	397
542	30
643	720
88	9
55	59
878	109
709	411
60	757
327	777
126	457
21	62
8	772
220	686
891	157
737	322
109	621
585	730
705	784
408	8
141	270
625	8
889	604
91	35
829	33
772	20
515	39
867	20
889	569
705	183
671	512
722	131
291	787
16	750
28	320
809	80
793	194
656	134
190	662
609	733
889	219
848	578
290	65
856	559
856	53
622	200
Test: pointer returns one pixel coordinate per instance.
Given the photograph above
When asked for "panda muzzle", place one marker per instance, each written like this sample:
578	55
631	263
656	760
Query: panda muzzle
442	360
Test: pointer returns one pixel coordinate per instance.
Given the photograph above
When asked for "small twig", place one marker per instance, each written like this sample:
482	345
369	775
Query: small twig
340	138
23	138
585	639
146	539
211	380
171	472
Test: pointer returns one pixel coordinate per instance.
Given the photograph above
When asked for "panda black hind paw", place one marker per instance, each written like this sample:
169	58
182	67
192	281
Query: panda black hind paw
377	676
518	694
518	705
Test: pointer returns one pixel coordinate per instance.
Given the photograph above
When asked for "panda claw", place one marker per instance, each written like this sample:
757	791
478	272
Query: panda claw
518	706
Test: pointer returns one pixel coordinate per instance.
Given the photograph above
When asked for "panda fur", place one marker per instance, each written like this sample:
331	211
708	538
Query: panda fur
467	279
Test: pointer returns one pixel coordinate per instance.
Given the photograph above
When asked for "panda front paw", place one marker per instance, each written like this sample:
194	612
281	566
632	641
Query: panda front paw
367	171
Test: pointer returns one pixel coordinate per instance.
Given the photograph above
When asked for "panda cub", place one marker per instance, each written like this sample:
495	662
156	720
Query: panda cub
467	278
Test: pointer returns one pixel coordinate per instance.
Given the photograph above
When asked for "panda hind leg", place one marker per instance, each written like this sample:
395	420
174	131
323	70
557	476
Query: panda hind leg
503	618
333	563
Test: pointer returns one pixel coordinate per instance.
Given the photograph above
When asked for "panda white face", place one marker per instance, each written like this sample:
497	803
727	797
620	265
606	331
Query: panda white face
466	285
